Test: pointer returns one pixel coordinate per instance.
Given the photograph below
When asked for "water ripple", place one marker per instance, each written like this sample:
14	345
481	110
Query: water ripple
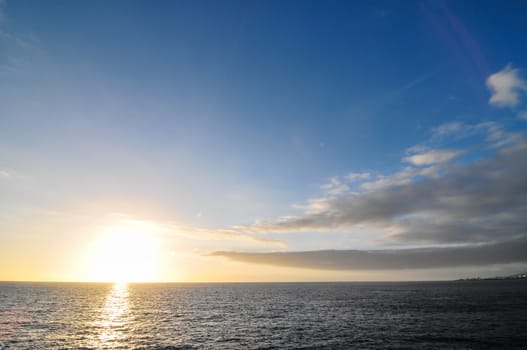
480	315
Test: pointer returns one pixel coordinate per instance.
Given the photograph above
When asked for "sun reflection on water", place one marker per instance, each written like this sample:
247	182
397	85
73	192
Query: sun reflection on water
114	318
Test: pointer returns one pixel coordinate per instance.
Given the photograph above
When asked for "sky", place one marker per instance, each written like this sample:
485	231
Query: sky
213	141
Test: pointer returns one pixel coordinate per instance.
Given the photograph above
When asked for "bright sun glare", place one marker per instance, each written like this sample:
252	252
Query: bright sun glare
126	252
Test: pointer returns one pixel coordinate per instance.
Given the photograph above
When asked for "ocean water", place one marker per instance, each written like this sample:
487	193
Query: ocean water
434	315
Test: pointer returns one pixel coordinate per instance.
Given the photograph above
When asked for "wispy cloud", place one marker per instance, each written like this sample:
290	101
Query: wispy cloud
202	234
402	177
357	176
433	157
170	229
447	129
335	187
17	49
494	134
497	136
506	87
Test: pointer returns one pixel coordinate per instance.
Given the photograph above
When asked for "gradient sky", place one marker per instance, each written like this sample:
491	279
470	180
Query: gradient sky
262	140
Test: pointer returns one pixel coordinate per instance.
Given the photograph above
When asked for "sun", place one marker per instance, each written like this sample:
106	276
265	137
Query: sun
125	252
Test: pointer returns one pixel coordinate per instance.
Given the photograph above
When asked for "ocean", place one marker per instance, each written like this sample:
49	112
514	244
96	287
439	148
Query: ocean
410	315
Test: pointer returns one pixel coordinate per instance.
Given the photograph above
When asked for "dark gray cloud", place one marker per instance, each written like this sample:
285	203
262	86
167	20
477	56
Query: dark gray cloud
419	258
485	201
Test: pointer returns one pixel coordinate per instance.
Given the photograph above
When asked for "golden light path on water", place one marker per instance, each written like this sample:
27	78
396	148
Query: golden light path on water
113	321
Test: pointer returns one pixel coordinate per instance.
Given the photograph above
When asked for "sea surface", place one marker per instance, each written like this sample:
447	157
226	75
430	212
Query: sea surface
431	315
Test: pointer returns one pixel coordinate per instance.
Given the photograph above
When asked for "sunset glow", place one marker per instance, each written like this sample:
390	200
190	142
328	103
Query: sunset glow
236	141
124	254
285	174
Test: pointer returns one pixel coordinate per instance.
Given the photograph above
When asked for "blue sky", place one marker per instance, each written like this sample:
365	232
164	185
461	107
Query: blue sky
218	115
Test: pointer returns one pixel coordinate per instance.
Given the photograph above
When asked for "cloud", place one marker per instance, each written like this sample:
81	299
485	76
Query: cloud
357	176
18	49
335	187
506	86
200	233
480	202
170	229
390	259
497	136
492	132
466	214
433	157
523	115
447	129
402	177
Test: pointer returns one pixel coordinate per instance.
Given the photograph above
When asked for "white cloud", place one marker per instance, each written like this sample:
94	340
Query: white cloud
432	157
506	86
494	134
335	187
497	136
357	176
419	148
403	177
447	129
4	173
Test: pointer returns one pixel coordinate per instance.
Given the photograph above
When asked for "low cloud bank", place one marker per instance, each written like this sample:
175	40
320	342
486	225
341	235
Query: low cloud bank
392	259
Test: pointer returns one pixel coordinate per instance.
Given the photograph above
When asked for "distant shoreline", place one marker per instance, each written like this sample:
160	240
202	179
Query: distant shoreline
519	276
